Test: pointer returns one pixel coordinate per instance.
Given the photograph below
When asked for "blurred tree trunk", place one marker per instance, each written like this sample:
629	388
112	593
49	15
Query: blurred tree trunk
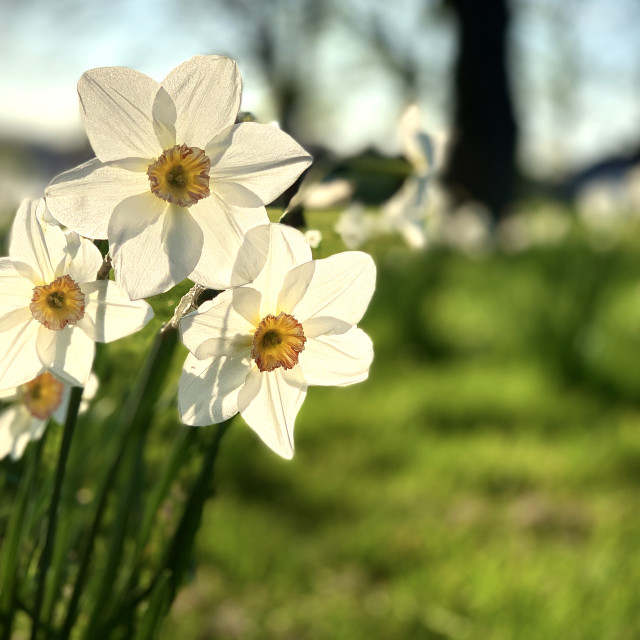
482	159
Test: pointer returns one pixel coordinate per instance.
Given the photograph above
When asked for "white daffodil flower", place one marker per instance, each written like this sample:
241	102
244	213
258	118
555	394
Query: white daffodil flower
32	404
405	212
313	237
356	226
256	348
176	183
52	308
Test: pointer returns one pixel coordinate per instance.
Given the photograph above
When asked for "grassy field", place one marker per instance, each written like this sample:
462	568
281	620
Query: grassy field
483	483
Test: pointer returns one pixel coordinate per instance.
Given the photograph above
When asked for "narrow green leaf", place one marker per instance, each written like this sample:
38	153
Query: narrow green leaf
10	555
45	558
136	417
158	607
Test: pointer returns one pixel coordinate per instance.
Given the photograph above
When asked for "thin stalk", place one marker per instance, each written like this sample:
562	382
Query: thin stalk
52	521
180	451
178	554
135	419
85	561
157	361
158	604
11	546
181	546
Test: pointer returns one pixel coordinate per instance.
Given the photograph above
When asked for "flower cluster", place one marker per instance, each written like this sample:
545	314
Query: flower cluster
31	405
179	187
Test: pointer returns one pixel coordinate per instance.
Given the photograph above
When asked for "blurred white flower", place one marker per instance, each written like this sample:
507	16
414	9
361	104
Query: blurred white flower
313	237
601	204
355	226
417	146
52	308
406	211
255	349
176	183
409	210
32	404
467	228
322	195
541	224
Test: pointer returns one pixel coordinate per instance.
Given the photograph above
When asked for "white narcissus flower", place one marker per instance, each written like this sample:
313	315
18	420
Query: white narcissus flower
176	183
313	237
52	308
356	226
408	210
32	404
405	212
256	348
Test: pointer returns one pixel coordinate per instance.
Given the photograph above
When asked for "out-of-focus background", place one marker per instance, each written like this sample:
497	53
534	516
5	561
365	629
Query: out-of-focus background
485	481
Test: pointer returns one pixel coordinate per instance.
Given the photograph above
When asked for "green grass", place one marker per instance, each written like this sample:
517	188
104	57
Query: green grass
483	483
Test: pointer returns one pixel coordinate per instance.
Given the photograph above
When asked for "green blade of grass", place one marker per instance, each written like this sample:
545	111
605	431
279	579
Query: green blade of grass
52	522
158	606
9	559
137	416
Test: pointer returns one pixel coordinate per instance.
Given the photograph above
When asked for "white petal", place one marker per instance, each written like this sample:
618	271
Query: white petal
262	159
337	360
15	290
286	249
113	314
208	389
9	394
60	414
36	428
337	287
154	245
269	402
83	198
164	119
84	259
206	91
325	326
32	430
40	247
8	418
225	229
217	328
12	319
68	353
15	431
117	105
19	360
88	393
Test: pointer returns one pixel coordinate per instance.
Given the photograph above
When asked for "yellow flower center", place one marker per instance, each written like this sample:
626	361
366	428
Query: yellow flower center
58	304
180	175
277	342
43	395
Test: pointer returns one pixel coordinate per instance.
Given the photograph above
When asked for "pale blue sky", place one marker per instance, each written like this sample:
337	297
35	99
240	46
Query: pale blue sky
576	70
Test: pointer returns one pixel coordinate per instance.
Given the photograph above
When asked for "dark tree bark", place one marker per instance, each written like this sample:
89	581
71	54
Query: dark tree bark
482	159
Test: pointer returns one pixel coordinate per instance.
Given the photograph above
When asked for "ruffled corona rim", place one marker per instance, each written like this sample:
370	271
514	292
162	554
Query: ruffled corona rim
180	175
277	342
58	304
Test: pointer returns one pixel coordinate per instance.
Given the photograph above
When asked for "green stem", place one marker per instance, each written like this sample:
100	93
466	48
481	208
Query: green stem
179	553
11	546
45	558
180	450
135	420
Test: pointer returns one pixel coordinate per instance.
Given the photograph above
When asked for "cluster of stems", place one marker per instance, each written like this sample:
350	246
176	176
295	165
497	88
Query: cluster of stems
102	581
